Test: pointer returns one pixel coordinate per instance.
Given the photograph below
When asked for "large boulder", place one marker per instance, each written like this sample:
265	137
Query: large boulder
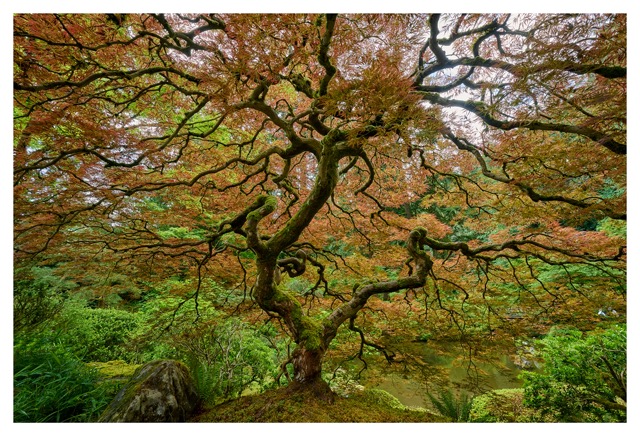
160	391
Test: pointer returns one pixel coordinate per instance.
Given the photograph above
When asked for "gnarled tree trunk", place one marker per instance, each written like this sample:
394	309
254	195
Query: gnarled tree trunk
307	373
307	364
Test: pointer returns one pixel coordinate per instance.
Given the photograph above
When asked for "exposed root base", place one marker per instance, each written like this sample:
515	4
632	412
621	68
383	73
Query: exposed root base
317	388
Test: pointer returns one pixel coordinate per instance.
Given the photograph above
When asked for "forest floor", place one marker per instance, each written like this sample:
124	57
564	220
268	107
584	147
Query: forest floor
283	405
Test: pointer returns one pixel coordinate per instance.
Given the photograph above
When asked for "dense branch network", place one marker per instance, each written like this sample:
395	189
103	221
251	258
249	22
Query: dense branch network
468	72
290	139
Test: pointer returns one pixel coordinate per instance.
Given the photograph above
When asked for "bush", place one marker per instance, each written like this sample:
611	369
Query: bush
227	358
342	383
99	335
37	297
502	405
51	385
583	378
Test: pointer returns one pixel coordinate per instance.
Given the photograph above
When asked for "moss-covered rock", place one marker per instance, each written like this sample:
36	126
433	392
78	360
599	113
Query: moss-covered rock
384	398
160	391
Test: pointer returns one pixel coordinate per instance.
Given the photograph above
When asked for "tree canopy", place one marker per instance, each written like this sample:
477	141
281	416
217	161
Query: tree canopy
475	163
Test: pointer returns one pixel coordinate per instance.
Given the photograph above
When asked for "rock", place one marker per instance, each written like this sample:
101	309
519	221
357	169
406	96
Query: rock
523	363
160	391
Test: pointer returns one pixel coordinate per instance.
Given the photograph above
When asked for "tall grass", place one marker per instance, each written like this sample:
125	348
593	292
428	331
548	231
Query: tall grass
52	386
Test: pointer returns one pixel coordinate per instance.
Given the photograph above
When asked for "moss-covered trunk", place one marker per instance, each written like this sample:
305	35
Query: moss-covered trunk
311	336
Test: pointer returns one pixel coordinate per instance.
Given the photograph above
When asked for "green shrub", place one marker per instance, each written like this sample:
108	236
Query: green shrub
99	335
342	382
51	385
502	405
583	377
37	296
226	358
206	381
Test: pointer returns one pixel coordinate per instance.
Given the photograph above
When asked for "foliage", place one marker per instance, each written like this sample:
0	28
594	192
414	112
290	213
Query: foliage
294	167
455	407
583	378
38	296
51	385
226	358
99	335
502	405
613	227
225	354
206	381
343	383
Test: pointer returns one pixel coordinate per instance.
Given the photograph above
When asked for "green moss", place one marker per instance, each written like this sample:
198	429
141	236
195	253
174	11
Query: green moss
280	295
311	333
310	330
383	398
269	204
114	368
285	405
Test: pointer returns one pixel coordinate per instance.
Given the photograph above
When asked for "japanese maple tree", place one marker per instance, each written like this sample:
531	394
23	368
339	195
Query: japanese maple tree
251	148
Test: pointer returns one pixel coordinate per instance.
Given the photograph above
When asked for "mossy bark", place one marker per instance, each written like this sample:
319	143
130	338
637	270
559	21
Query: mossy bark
312	337
308	334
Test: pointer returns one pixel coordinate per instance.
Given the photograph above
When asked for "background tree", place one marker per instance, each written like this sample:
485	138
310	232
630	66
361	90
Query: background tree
254	148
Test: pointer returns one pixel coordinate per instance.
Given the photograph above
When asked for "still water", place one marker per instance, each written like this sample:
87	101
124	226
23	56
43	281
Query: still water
436	366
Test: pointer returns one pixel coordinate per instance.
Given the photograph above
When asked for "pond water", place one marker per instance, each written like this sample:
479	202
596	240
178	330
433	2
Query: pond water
442	367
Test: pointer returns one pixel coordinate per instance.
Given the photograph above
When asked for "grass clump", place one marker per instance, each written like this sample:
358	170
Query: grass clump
54	386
